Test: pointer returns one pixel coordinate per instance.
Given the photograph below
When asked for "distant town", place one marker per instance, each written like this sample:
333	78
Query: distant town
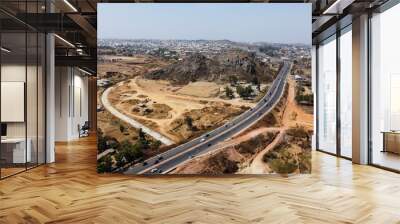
178	49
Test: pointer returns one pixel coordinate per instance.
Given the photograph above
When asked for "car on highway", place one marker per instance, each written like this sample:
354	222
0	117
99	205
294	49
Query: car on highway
154	170
207	135
155	162
144	163
202	140
209	144
160	158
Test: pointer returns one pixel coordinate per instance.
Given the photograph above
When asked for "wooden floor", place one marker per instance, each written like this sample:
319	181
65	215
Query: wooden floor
70	191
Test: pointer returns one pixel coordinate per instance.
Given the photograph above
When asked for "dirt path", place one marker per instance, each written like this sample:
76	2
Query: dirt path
294	114
107	105
258	166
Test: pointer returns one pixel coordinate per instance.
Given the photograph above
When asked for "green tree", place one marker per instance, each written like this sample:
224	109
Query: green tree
233	80
105	164
229	92
142	139
240	90
130	151
244	92
101	141
119	158
249	91
189	122
155	144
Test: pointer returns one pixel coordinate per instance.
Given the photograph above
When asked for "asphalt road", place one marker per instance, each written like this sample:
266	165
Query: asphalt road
207	142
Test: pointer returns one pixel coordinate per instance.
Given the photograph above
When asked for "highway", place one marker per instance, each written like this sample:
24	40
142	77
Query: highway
174	157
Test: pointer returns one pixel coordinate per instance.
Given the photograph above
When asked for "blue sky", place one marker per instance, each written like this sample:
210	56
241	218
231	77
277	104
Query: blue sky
248	22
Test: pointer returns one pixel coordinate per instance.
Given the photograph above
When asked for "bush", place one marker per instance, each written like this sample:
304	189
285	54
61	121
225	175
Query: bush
121	128
244	92
252	145
229	92
298	132
130	151
120	159
104	164
220	163
283	167
155	144
280	160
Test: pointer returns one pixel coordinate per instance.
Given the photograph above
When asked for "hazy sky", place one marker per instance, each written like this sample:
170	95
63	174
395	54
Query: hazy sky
279	23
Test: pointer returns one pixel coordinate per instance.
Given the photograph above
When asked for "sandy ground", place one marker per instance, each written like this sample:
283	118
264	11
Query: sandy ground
139	91
200	89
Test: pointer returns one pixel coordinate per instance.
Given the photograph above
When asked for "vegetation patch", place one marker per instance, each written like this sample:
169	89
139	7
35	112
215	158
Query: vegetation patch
292	156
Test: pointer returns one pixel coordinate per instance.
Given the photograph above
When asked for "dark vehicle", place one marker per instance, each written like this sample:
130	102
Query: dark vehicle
159	171
160	158
209	144
155	162
144	163
207	135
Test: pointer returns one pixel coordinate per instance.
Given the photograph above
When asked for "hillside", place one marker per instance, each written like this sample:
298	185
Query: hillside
245	66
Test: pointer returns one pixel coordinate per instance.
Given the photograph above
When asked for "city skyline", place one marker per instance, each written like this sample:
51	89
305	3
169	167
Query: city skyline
207	22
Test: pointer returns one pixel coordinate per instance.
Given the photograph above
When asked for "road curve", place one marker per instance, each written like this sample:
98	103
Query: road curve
207	142
107	105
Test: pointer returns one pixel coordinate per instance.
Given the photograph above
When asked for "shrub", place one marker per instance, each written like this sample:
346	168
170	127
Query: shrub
155	144
130	151
229	92
121	128
104	164
119	158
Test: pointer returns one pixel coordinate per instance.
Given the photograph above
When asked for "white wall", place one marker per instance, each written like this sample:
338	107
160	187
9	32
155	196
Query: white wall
385	74
71	102
314	90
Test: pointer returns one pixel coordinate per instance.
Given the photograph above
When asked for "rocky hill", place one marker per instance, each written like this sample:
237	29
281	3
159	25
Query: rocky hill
197	67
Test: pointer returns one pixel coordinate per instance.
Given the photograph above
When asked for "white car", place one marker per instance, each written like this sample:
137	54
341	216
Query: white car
202	140
154	170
